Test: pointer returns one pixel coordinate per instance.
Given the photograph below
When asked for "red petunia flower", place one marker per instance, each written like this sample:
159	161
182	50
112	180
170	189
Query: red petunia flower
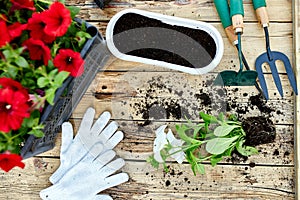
4	36
22	4
16	29
9	161
36	25
38	50
70	61
12	84
57	19
13	105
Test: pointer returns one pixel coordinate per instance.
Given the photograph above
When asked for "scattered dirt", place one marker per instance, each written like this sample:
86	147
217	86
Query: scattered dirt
146	37
259	130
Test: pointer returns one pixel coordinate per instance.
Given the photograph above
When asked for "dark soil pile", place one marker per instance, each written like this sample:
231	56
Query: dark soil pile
133	34
259	130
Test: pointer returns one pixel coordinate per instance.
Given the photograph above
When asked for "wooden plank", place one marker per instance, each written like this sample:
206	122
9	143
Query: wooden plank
147	183
280	10
296	48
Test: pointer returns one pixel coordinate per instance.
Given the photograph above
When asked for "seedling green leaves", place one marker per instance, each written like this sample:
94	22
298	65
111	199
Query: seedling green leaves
211	140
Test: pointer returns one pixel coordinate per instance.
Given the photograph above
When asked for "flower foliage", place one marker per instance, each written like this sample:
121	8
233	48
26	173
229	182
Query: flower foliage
39	48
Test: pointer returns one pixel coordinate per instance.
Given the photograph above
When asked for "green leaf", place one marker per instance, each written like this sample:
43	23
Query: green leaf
224	130
215	159
245	150
43	82
7	54
36	133
50	94
219	145
53	73
60	78
198	167
21	62
208	118
74	10
152	161
181	132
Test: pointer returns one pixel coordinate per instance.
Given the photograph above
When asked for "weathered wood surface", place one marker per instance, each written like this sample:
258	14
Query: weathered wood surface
296	29
125	88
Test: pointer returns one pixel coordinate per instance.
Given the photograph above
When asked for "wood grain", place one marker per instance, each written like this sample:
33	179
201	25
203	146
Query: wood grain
124	88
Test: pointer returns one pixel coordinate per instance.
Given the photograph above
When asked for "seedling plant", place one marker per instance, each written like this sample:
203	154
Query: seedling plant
211	140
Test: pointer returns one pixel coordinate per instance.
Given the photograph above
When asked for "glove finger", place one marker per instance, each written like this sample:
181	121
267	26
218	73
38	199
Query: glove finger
114	140
66	138
103	197
94	150
100	123
114	180
112	167
105	158
87	121
108	132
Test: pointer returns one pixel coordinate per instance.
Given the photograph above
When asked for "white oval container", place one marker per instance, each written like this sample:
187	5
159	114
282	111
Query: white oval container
171	20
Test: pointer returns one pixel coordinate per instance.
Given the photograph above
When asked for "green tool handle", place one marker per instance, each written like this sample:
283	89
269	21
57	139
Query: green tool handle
261	12
237	15
223	11
259	3
224	14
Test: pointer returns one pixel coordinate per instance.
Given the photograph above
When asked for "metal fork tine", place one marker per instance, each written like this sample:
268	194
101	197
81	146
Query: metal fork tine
276	75
258	65
288	69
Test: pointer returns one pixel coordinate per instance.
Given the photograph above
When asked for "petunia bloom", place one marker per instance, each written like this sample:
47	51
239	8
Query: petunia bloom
13	105
70	61
36	25
57	19
22	4
12	84
162	139
9	161
38	50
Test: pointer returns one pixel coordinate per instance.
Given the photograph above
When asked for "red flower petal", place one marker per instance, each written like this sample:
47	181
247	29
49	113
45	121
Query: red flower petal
13	105
22	4
57	19
38	50
36	25
4	36
14	85
16	29
9	161
70	61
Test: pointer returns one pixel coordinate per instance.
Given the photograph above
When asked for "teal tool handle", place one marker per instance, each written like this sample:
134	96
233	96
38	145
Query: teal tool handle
259	4
236	7
223	11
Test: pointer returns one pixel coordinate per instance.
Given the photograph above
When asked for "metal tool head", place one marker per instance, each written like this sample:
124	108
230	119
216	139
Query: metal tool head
270	58
233	78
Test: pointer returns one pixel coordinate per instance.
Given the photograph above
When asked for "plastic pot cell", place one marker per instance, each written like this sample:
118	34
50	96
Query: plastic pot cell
181	44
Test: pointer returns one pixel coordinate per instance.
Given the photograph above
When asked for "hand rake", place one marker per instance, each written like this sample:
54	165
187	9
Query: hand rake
270	57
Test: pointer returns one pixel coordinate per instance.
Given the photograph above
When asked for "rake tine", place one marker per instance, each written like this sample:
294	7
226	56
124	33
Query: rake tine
289	71
261	78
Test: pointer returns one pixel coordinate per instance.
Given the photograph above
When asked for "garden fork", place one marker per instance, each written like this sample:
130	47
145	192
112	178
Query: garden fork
270	57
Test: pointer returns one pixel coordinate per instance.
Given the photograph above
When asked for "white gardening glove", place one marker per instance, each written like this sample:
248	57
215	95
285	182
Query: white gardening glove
100	136
87	178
